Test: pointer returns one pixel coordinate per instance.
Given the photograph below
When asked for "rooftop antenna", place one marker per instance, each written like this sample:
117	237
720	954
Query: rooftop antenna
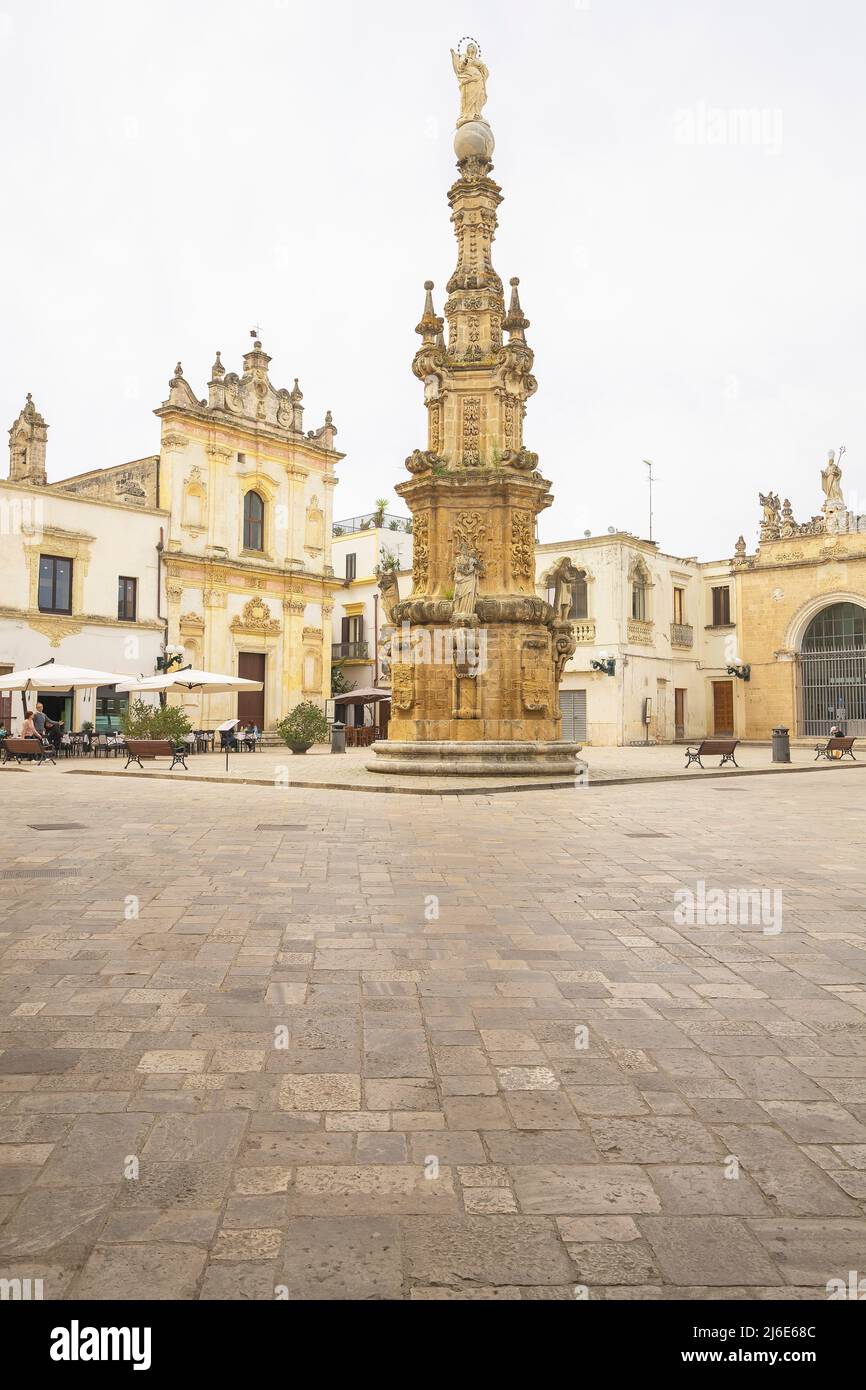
650	480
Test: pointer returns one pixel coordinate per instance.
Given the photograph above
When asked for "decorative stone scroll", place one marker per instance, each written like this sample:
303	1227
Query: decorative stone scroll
522	545
421	553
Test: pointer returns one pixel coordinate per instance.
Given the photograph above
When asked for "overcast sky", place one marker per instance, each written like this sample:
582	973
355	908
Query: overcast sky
178	171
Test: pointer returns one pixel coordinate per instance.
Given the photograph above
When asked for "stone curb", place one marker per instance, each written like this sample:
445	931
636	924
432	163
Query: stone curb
521	786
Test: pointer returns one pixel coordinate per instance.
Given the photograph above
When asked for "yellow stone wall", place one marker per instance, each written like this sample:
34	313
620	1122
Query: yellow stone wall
778	595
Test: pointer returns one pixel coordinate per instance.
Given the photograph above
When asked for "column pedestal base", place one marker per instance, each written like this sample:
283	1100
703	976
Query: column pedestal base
524	759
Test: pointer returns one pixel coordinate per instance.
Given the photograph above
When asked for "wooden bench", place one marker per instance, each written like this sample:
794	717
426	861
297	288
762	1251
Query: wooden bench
723	747
150	748
27	750
837	744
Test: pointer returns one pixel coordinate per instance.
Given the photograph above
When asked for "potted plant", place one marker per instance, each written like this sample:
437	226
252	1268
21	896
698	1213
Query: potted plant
389	561
381	505
154	723
302	728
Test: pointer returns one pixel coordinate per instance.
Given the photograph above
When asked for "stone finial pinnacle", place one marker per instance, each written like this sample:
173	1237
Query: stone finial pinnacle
431	325
515	324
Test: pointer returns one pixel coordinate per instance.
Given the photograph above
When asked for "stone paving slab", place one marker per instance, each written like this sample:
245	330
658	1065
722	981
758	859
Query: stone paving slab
494	1048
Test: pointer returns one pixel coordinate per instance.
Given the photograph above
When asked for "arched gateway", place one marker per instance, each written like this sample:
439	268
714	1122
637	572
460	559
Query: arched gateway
832	683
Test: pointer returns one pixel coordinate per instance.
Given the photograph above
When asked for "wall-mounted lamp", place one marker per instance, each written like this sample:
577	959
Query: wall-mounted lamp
742	673
607	668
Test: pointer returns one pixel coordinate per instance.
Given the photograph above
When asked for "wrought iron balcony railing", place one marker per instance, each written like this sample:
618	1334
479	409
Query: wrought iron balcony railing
349	651
385	521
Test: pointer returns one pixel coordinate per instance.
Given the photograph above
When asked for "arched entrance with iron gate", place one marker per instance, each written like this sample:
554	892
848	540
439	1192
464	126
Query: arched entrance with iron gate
831	687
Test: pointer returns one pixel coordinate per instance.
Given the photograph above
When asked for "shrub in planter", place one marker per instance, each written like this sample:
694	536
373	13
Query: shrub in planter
141	720
302	728
170	722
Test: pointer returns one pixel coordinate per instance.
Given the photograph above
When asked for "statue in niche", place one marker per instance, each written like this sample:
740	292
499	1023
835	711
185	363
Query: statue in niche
472	76
465	584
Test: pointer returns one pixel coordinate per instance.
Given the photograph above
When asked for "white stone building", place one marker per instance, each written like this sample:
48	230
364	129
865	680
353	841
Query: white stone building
359	546
79	582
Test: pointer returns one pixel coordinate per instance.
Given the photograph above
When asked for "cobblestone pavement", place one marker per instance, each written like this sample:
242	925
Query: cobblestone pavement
262	1043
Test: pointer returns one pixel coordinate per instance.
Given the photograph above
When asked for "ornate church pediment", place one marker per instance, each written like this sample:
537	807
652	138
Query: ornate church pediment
250	398
256	617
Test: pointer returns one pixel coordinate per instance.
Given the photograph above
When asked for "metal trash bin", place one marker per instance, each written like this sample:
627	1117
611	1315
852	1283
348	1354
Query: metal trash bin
338	738
781	746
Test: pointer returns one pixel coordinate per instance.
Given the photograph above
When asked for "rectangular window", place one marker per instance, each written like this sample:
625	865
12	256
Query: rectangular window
127	599
352	566
55	584
355	629
579	600
638	603
110	708
679	605
722	606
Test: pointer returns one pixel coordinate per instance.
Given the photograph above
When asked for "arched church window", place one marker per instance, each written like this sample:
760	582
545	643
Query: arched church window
835	628
254	522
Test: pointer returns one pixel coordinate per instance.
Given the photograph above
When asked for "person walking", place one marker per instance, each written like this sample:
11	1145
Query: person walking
28	728
39	720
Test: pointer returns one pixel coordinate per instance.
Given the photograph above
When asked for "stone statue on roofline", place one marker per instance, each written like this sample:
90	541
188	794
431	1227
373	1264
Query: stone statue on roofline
831	482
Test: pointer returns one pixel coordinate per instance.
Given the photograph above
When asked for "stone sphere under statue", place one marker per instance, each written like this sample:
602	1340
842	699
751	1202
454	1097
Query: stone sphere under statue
474	140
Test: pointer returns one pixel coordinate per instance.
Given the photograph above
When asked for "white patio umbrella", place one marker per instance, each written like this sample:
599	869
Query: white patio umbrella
52	676
187	678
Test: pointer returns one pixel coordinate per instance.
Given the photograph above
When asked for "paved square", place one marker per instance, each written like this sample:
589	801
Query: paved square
394	1047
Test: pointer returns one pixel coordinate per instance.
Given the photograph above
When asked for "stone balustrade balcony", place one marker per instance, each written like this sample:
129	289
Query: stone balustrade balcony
584	631
640	631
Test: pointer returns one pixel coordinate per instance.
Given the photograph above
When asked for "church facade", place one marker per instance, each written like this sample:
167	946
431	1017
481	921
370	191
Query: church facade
802	603
248	576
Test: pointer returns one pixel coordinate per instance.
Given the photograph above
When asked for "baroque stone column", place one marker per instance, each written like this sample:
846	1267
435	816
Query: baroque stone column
478	655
